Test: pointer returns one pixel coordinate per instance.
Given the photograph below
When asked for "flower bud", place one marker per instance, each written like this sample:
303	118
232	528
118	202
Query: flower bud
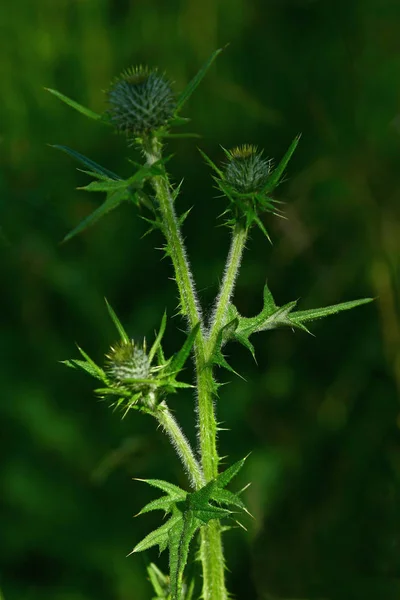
141	100
127	363
246	172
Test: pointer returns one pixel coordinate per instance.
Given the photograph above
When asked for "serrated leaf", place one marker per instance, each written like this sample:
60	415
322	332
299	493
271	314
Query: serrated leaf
189	513
228	498
272	317
269	302
82	109
278	317
192	85
242	339
166	486
165	503
181	535
117	323
224	478
100	373
81	364
302	316
159	537
88	162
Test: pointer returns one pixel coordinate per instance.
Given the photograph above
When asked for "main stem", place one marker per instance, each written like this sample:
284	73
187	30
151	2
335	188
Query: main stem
211	551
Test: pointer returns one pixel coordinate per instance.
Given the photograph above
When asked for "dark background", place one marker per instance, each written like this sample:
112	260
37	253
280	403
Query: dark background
320	414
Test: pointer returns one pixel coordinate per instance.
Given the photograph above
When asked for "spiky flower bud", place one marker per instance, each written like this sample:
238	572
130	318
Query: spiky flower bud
128	364
140	100
246	171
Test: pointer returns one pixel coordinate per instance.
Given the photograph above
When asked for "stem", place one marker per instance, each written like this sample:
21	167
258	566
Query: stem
238	242
211	551
188	297
181	445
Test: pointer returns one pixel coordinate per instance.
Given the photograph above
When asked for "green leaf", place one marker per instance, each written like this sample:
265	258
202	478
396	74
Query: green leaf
229	499
108	185
115	391
276	175
224	478
157	341
100	373
302	316
82	109
240	328
213	166
182	384
159	537
167	487
117	323
159	581
188	91
165	503
180	358
190	511
93	166
85	366
112	201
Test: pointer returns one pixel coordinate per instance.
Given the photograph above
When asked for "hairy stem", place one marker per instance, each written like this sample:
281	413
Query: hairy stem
211	551
238	242
188	298
181	445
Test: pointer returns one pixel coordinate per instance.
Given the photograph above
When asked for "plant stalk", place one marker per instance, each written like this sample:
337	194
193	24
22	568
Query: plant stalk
238	242
211	551
181	445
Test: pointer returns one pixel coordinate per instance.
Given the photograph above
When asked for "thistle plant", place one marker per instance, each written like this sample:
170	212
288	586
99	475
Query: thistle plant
137	377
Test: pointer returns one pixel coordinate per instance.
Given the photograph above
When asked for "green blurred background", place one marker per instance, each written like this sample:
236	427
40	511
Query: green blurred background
320	415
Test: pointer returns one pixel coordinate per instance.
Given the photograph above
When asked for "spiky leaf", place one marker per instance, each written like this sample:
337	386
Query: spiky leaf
117	323
87	162
240	328
82	109
192	85
112	201
189	512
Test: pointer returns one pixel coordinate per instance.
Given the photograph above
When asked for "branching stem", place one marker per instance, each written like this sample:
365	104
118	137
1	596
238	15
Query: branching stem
211	551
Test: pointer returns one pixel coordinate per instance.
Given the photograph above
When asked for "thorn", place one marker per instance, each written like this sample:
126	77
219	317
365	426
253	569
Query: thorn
240	525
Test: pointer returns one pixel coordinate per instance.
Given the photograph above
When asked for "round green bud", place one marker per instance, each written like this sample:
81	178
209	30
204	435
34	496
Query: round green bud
127	363
140	101
246	171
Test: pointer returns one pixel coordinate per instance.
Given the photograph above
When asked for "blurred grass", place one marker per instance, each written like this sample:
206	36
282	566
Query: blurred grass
321	414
